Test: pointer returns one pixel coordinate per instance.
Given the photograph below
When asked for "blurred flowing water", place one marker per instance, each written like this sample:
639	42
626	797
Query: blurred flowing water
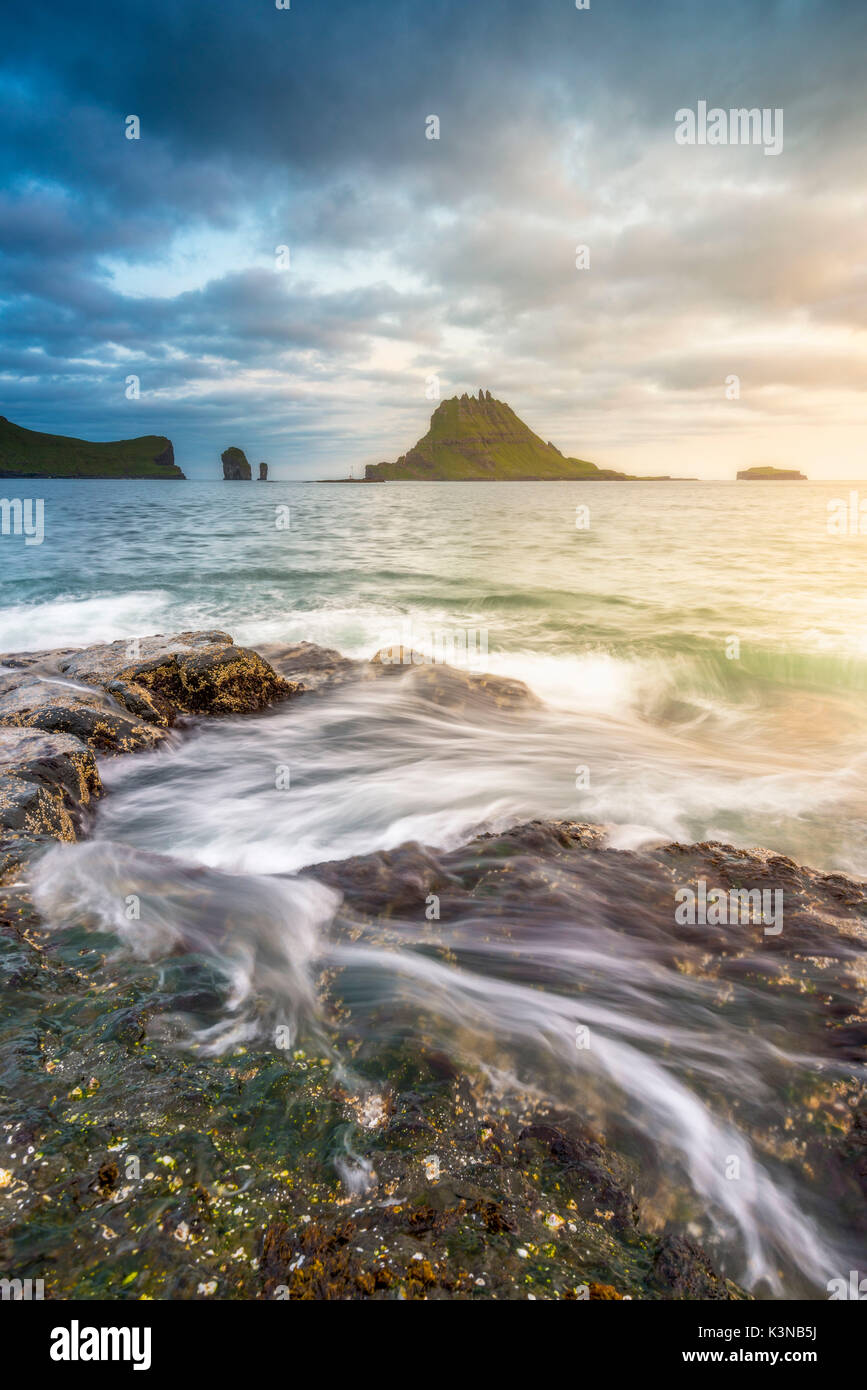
700	657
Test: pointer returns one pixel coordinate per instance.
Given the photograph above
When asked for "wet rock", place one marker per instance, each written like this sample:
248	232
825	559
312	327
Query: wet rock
316	668
107	1178
46	783
90	717
461	691
186	673
452	687
685	1270
316	1263
43	661
143	703
397	658
387	883
598	1180
466	691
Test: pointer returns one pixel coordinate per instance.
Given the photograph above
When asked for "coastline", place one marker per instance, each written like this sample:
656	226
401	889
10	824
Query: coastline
521	1197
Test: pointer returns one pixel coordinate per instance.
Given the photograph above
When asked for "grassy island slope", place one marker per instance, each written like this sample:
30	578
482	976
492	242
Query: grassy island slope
31	454
481	439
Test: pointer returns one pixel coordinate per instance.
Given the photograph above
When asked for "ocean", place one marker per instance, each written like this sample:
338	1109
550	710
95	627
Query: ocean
701	648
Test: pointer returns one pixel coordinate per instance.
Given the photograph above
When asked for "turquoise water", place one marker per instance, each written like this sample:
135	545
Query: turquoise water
625	628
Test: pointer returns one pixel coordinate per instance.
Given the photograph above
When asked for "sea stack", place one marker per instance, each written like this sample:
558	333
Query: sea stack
235	465
263	472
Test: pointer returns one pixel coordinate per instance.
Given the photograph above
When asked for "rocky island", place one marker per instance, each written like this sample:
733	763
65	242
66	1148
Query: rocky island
236	467
764	473
31	454
479	439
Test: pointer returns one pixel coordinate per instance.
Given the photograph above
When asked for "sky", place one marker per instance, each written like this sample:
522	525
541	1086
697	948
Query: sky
416	264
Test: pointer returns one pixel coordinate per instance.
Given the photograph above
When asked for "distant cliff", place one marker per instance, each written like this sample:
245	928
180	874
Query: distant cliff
765	473
480	439
235	465
30	454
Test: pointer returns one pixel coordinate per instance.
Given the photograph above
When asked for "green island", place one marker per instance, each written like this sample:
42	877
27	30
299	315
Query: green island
31	454
479	439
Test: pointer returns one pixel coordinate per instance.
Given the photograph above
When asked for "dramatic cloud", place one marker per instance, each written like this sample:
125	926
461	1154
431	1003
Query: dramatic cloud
408	257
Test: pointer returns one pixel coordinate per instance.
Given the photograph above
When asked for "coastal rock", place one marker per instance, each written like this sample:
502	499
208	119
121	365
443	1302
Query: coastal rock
559	881
186	673
451	686
92	718
235	465
46	782
397	658
44	662
685	1270
465	691
263	472
315	668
